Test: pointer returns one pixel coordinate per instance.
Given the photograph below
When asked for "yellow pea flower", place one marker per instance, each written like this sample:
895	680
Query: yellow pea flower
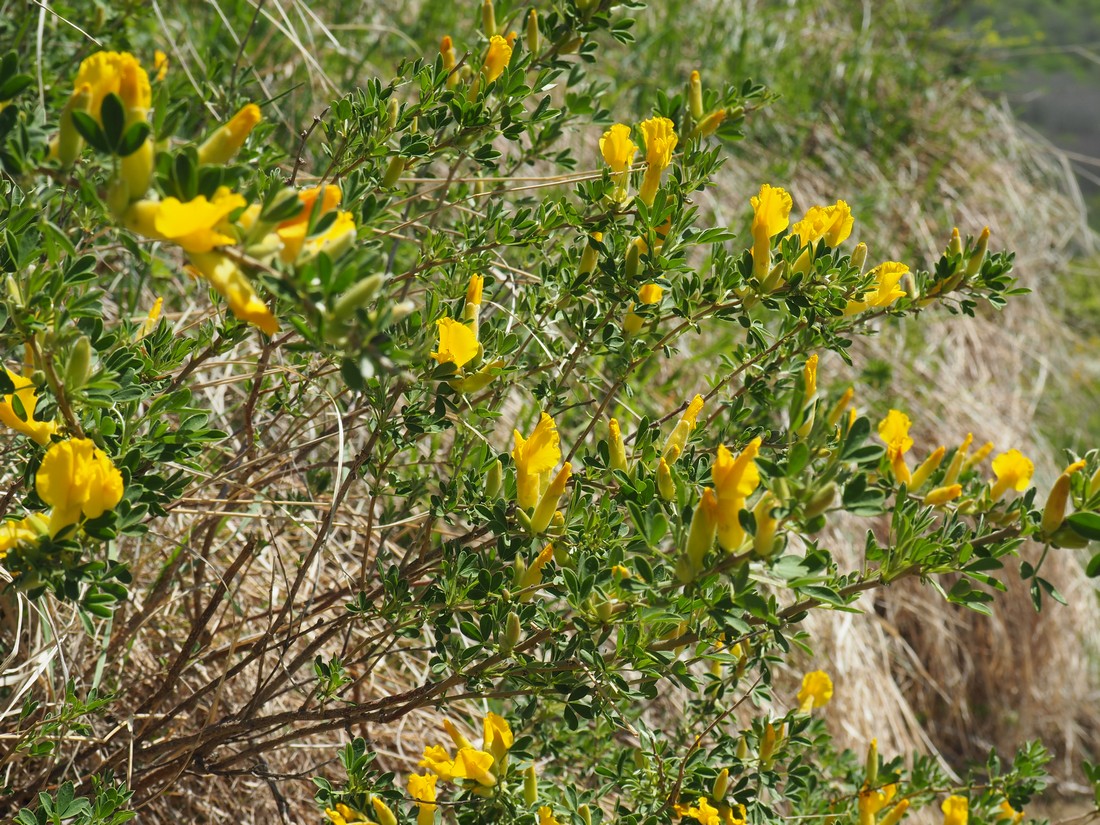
548	501
498	736
702	812
497	58
660	141
77	480
117	73
1013	471
833	223
942	495
30	529
1007	812
533	457
532	576
648	294
198	225
160	65
817	690
546	816
926	468
24	423
771	215
476	765
343	815
956	810
735	479
381	810
457	343
894	432
1054	510
616	447
677	439
224	142
809	378
421	788
885	290
871	801
292	231
230	281
618	153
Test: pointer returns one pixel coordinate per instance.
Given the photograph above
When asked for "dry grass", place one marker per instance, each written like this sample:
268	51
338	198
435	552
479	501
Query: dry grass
913	670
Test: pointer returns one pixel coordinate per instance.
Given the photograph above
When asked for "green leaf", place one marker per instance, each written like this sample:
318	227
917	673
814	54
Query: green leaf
1093	568
87	127
14	85
1085	524
113	117
133	138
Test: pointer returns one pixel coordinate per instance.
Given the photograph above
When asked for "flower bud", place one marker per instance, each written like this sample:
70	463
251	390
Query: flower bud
763	541
548	502
633	261
69	142
585	813
859	257
871	764
926	468
957	460
590	256
393	112
382	812
742	749
821	501
488	18
615	447
494	479
533	32
977	257
955	245
839	407
356	296
79	368
666	487
511	634
394	169
709	125
894	815
1055	510
695	96
721	784
220	147
530	786
704	528
767	745
942	495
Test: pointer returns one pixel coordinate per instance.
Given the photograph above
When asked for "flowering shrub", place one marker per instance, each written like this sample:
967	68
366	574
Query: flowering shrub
556	508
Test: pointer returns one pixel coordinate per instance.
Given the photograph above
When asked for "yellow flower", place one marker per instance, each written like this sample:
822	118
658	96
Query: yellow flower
24	421
809	377
885	291
497	58
532	576
382	812
160	65
894	431
474	289
648	294
1013	471
942	495
702	812
457	343
704	526
230	136
31	528
476	765
422	789
873	801
548	501
197	225
498	736
955	810
533	457
1007	812
771	215
735	479
75	479
546	816
292	232
617	148
833	223
343	815
660	141
817	690
679	435
116	73
926	468
229	280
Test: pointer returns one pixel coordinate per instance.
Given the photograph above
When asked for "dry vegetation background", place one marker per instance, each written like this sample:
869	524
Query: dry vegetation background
864	119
